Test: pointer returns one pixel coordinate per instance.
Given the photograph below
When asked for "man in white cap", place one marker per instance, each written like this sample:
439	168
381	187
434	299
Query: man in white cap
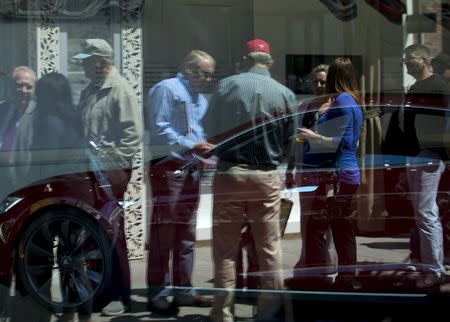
111	119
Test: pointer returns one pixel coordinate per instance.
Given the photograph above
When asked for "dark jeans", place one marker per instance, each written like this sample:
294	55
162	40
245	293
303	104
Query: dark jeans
114	184
172	231
338	214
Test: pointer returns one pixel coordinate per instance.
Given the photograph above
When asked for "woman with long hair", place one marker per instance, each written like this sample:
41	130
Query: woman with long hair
55	114
49	128
50	139
336	137
301	162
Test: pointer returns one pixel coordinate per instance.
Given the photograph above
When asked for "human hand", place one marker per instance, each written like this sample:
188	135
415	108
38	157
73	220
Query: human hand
307	134
203	146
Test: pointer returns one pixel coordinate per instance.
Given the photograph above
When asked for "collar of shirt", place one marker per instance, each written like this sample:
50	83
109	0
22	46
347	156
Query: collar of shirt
110	80
188	86
260	71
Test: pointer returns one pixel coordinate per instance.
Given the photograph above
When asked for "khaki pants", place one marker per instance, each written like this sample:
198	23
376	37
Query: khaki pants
244	194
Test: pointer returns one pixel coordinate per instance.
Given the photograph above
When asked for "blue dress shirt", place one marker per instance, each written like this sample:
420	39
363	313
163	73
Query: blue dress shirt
176	112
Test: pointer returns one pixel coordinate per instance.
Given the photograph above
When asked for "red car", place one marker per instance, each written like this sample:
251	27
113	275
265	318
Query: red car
67	225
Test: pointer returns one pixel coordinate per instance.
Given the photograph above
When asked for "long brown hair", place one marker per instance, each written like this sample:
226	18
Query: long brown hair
341	78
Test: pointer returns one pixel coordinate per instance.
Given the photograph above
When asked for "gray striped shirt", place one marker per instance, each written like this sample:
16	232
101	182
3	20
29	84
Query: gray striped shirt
254	103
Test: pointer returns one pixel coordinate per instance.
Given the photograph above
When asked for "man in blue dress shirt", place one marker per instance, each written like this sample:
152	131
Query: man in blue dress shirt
174	113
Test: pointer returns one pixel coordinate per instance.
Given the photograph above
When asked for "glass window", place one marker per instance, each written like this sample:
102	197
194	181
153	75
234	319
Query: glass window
232	158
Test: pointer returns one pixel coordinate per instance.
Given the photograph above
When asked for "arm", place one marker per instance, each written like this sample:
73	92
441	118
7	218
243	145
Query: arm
291	145
129	123
290	170
339	122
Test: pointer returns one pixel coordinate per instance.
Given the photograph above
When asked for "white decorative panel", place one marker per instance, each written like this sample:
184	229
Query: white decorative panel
132	66
47	47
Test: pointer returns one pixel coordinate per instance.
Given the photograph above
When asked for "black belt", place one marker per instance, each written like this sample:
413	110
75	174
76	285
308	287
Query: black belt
225	164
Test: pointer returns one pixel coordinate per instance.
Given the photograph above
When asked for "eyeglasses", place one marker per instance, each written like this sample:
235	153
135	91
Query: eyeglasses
205	74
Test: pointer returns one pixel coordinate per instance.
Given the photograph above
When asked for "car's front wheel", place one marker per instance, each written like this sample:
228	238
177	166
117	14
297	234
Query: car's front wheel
64	260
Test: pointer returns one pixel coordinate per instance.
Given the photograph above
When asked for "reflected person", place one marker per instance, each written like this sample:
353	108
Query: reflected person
345	116
52	126
427	237
305	160
441	66
174	114
246	188
111	122
21	89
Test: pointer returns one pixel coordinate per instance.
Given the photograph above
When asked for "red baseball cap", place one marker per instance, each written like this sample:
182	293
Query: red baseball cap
258	45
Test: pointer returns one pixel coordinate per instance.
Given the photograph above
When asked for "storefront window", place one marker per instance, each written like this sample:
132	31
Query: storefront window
267	154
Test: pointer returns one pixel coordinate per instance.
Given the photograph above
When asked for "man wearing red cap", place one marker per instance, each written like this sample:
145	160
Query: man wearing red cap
247	187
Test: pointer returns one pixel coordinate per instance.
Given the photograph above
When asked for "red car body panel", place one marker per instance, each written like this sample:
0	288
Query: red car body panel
77	190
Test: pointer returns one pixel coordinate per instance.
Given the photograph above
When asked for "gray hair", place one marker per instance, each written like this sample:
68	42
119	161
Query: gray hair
260	57
419	50
25	69
195	58
320	68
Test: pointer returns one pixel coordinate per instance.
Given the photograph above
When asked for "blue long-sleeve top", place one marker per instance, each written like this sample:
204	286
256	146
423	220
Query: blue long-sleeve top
176	112
349	112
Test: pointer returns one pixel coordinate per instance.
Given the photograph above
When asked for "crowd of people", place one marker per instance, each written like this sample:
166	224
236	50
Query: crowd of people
246	190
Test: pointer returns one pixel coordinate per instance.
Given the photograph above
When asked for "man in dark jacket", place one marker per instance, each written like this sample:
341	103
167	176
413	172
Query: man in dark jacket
21	91
428	90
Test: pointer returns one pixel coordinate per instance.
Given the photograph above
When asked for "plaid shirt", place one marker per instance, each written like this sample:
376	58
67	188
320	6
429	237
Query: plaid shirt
255	101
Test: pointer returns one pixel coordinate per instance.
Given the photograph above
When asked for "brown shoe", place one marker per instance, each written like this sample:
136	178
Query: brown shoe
192	300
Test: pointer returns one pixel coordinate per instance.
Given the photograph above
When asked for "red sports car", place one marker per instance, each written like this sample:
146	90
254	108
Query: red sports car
60	234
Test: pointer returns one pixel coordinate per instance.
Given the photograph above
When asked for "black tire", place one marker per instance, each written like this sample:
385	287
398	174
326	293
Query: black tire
64	260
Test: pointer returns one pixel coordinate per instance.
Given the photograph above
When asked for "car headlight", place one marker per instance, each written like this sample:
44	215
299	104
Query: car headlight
9	202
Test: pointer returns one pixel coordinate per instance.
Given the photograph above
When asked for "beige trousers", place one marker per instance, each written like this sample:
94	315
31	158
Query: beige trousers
243	194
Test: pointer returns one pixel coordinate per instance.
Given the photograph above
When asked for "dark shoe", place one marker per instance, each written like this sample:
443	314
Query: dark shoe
419	280
162	306
430	281
192	300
